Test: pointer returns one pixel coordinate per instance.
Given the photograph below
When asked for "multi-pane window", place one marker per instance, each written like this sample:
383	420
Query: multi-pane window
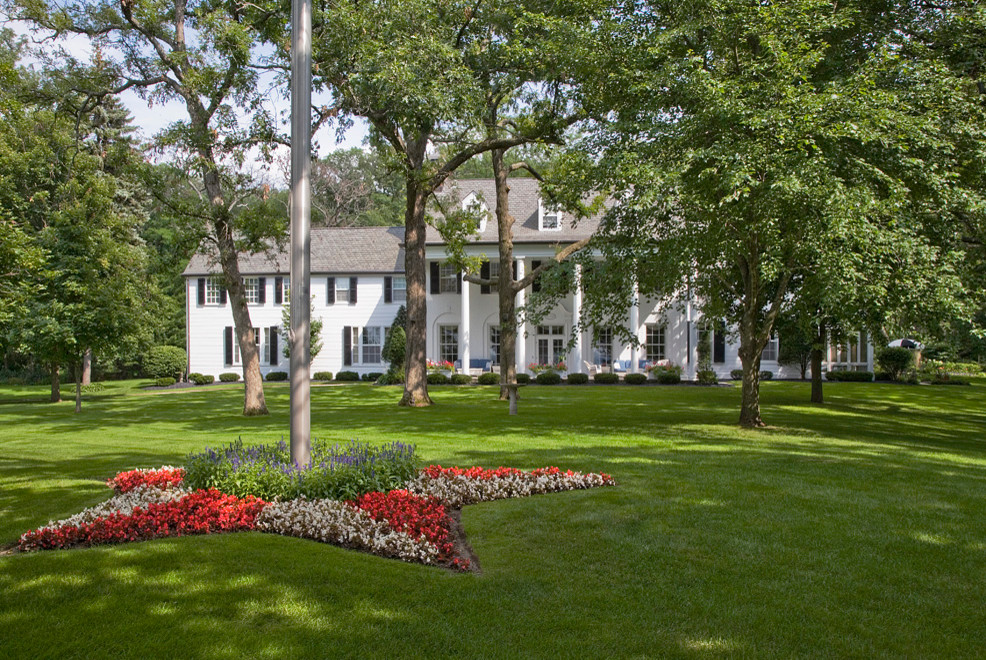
550	218
236	345
550	343
448	279
448	343
372	344
265	348
770	350
850	354
286	289
213	285
495	344
604	346
342	289
494	270
251	286
399	289
654	343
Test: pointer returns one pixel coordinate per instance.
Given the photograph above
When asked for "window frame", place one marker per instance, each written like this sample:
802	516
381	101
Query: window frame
448	278
656	342
251	290
213	291
444	346
394	289
342	285
365	346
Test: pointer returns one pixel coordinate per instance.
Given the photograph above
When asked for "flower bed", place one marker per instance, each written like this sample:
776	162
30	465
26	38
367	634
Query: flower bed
412	523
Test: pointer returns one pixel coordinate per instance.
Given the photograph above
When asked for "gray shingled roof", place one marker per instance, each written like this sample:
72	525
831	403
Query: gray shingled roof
524	196
334	250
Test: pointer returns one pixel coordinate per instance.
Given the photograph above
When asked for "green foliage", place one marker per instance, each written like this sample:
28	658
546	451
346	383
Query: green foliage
844	375
895	361
164	381
371	376
488	378
389	379
350	376
93	388
667	374
635	379
437	379
314	330
461	379
356	187
946	379
604	378
276	376
577	379
766	375
229	377
201	379
322	375
548	378
706	377
704	348
523	379
160	361
736	374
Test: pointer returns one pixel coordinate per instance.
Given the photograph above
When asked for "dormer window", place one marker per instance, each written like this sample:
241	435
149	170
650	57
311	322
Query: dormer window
474	204
549	218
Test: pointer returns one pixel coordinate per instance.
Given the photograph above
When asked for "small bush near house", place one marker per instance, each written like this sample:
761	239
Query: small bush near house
766	375
488	378
461	379
667	374
548	378
635	379
276	376
437	379
92	388
895	361
165	381
706	377
164	361
201	379
229	377
578	379
372	376
523	379
322	375
846	376
606	378
349	376
390	378
736	374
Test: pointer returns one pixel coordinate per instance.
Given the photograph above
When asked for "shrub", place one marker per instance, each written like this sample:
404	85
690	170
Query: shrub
201	379
349	376
895	361
164	381
635	379
461	379
165	361
548	378
488	379
372	376
766	375
578	379
523	379
606	378
229	377
92	388
706	377
950	380
336	472
276	376
437	379
844	375
390	378
322	375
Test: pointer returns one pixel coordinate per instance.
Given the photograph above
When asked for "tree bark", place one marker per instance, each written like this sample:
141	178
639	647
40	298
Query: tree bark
56	385
77	372
816	365
506	287
416	372
87	367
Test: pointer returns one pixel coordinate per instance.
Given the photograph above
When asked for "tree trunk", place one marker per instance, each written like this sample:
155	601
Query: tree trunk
77	372
56	385
816	365
506	287
87	367
415	269
750	406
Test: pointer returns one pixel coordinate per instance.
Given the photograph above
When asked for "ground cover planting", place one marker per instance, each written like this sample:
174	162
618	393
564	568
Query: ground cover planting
856	528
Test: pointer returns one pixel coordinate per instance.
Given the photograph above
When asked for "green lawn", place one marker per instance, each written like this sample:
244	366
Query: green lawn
853	529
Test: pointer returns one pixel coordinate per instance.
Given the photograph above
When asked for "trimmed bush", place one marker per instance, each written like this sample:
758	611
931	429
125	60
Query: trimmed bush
706	377
322	375
606	378
736	374
92	388
523	379
390	378
201	379
950	380
165	361
164	381
461	379
488	379
437	379
372	377
276	376
548	378
349	376
229	377
577	379
766	375
844	375
895	361
635	379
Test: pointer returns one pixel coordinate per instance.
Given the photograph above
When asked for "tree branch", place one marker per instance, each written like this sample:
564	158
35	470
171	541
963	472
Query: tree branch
561	256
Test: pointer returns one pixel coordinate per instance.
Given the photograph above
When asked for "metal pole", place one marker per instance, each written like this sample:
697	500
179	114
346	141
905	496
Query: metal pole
301	141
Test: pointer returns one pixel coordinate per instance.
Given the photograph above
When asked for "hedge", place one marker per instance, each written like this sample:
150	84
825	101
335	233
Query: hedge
322	375
844	375
606	378
635	379
488	378
276	376
229	377
201	379
437	379
165	381
548	378
523	379
461	379
578	379
349	376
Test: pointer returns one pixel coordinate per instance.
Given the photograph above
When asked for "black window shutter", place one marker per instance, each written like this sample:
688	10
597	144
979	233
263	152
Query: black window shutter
274	356
352	290
278	290
458	282
536	284
228	345
201	291
435	276
262	283
388	289
330	291
222	295
484	273
347	346
515	270
719	344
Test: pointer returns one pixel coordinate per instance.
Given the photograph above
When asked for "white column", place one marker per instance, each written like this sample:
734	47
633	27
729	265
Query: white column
635	329
576	368
464	351
521	341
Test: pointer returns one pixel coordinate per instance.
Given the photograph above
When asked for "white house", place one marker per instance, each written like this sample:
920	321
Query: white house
358	285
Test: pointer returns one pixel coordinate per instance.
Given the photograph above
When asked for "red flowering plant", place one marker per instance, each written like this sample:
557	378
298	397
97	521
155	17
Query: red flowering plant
164	477
438	367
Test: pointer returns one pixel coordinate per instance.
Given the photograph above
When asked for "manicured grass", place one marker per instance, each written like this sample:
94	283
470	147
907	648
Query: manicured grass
853	529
